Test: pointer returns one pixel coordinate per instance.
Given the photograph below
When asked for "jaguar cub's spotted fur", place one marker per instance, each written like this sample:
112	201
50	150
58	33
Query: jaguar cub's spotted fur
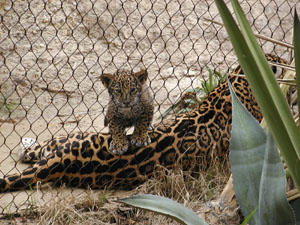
130	104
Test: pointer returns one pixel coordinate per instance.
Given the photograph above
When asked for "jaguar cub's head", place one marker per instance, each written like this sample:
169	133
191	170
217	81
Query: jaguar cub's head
125	87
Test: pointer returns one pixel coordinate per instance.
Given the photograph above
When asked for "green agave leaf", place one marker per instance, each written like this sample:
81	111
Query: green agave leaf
274	208
297	50
263	84
247	150
296	207
165	206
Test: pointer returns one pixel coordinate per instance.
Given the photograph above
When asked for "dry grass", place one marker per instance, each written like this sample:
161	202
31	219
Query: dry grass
184	187
99	207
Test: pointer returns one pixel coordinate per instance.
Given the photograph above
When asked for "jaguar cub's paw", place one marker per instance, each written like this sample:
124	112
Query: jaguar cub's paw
140	141
118	148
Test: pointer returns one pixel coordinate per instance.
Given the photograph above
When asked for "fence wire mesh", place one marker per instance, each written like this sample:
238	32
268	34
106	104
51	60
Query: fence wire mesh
53	53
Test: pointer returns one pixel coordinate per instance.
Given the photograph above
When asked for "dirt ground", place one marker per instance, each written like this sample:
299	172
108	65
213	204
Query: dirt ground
53	52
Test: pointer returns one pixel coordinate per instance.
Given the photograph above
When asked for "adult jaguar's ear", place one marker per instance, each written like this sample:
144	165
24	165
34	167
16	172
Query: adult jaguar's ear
142	76
106	78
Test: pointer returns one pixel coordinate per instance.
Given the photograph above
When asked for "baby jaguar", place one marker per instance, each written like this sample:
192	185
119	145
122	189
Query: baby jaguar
130	104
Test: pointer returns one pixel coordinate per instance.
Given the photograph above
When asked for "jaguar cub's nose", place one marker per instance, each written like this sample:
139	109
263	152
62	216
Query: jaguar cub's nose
126	103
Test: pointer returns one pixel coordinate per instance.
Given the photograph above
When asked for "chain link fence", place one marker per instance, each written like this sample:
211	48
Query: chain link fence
52	54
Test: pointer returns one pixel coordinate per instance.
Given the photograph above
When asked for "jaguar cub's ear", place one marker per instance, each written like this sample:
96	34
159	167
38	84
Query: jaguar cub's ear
106	78
142	76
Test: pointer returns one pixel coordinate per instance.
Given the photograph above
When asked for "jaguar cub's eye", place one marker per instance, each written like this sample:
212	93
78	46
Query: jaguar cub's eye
118	91
132	90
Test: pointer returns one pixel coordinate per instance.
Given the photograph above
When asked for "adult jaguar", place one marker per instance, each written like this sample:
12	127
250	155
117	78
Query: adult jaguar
189	140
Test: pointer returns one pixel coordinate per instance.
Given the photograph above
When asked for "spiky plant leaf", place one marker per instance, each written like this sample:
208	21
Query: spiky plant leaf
165	206
274	208
247	150
267	92
297	50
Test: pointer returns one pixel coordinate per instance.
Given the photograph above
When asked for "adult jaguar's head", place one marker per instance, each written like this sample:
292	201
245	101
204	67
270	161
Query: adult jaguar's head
125	87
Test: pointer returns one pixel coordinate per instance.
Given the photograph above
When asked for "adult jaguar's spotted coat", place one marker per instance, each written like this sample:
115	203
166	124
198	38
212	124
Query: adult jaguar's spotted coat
188	140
